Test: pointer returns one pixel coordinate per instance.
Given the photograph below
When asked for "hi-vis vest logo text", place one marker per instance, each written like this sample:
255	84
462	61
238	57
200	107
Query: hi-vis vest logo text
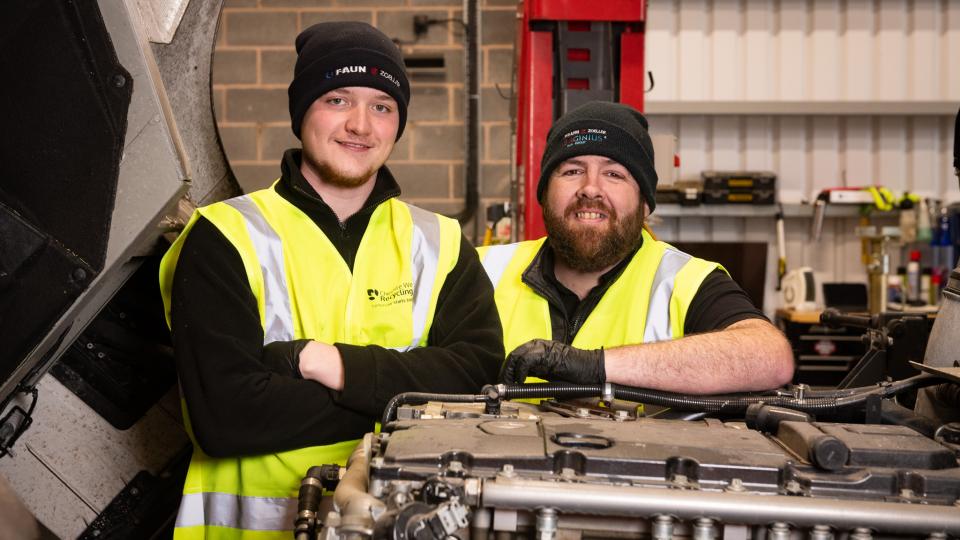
400	294
583	136
375	71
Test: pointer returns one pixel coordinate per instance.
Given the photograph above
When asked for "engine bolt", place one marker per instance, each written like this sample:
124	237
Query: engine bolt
821	532
663	528
546	524
704	529
778	531
736	484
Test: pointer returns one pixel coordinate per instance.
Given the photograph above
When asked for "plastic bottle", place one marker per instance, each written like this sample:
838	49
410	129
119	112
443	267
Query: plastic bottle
913	278
944	247
895	288
926	278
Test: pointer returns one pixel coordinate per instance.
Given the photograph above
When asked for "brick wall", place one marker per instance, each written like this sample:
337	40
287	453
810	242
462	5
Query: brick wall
253	64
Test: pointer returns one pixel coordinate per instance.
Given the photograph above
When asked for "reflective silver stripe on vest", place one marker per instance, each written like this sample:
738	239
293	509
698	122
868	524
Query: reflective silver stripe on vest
424	257
237	512
277	316
658	312
496	260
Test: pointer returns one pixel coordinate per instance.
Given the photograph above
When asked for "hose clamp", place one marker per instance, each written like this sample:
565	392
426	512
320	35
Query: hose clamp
607	393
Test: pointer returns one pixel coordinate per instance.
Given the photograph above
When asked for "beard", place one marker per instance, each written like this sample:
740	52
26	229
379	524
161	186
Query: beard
336	177
590	249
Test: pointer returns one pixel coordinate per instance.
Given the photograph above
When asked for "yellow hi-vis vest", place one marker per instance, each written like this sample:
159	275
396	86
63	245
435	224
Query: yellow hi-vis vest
648	302
304	289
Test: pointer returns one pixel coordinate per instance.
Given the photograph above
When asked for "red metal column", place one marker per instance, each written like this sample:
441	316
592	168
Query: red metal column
535	80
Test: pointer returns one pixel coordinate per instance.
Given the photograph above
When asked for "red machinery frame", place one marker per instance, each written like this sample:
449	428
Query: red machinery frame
535	80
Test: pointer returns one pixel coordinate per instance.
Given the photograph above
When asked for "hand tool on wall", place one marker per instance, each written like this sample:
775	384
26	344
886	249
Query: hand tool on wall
781	248
877	197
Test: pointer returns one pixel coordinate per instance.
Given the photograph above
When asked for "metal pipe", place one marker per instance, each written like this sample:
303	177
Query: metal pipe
472	127
351	495
727	507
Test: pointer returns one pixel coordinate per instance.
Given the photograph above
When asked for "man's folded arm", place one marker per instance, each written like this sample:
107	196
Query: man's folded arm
463	353
239	400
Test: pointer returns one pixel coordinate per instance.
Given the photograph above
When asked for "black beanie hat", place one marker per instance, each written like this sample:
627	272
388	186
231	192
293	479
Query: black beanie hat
336	54
602	128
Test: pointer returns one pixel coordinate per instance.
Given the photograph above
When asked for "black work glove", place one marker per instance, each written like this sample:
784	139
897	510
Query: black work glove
553	361
283	357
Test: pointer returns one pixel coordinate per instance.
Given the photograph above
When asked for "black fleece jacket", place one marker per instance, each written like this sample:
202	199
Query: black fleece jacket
241	404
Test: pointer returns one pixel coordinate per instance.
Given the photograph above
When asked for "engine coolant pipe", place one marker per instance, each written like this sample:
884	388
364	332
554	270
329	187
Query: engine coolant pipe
358	509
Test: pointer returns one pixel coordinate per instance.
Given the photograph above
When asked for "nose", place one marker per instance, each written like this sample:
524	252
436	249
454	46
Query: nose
590	184
358	121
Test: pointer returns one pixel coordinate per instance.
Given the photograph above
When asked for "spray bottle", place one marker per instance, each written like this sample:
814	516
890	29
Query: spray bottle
913	279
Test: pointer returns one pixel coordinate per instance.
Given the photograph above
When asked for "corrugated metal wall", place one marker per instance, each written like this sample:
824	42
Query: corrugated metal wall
823	92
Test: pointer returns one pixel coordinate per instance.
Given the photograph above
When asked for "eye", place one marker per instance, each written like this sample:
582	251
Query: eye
616	174
571	171
381	108
336	101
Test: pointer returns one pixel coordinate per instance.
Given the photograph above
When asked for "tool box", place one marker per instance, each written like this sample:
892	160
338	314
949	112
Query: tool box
739	187
682	192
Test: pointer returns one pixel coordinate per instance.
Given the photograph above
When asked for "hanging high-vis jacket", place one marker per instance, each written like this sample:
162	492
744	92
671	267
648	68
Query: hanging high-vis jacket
648	302
305	290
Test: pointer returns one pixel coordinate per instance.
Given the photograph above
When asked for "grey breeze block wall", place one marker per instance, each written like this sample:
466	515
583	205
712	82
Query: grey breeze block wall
253	65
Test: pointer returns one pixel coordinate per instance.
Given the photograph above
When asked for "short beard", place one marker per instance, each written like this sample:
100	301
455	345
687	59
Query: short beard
332	176
590	250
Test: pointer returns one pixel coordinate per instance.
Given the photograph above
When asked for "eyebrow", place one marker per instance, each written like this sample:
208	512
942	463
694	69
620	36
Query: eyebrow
346	92
608	161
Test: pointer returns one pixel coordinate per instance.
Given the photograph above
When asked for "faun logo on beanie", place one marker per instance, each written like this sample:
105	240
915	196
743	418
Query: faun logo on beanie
583	136
375	71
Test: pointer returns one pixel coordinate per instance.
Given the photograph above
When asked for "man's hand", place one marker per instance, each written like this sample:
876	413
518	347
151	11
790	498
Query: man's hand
321	362
554	361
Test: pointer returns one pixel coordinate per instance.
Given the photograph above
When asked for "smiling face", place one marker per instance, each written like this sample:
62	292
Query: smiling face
592	212
348	134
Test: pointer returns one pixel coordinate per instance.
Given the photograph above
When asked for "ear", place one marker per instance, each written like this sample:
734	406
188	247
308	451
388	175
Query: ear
646	210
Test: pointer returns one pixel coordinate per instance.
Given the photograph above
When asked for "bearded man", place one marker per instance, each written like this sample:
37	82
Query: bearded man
600	300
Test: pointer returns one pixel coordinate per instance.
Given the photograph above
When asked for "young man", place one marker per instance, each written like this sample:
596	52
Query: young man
599	300
299	310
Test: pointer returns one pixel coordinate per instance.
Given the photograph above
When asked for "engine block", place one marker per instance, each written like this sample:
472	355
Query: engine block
449	470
